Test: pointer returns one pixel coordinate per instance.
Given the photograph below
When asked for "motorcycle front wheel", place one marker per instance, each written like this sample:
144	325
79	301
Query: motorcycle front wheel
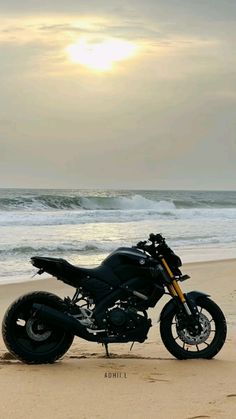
29	339
183	343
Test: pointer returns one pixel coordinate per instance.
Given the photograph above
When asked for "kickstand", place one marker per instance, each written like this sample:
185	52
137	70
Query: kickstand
106	348
131	346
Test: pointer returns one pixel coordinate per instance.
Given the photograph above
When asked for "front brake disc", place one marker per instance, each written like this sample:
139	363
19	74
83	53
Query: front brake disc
189	338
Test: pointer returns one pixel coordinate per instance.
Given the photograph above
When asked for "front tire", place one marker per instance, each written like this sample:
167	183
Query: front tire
27	338
182	344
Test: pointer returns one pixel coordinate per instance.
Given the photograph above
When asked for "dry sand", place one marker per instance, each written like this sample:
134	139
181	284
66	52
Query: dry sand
150	382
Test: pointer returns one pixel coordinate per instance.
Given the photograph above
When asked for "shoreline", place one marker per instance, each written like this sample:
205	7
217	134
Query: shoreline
38	279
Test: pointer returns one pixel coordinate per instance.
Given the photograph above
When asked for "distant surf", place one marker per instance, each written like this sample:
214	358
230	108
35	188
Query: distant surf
146	200
83	226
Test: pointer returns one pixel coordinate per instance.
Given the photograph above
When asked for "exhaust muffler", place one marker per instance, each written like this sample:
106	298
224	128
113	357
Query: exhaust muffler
56	318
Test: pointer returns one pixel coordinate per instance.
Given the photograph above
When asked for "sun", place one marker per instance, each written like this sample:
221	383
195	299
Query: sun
100	56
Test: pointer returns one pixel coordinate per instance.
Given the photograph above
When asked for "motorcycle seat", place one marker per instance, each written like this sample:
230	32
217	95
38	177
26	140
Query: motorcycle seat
72	274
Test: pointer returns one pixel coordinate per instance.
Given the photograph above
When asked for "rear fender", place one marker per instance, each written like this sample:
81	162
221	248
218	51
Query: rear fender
191	297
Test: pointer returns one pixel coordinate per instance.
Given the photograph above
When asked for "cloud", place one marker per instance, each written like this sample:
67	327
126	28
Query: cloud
36	46
58	29
176	95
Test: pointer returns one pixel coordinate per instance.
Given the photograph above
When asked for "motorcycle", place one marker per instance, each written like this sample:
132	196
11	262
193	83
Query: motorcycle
110	305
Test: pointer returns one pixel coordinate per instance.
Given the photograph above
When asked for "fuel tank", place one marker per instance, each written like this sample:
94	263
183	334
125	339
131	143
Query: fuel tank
128	262
125	264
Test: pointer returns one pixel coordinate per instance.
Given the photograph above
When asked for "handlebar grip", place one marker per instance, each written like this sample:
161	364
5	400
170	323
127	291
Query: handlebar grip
156	238
141	244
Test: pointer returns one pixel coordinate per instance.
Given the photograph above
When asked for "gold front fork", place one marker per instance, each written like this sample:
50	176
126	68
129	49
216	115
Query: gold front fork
174	288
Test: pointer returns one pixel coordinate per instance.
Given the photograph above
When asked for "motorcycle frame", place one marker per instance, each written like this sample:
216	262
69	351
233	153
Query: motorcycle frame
188	301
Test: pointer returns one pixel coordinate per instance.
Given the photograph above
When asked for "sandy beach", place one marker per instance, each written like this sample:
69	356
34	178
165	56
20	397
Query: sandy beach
144	383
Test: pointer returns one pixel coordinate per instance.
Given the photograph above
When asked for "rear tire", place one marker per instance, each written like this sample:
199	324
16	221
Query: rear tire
182	345
27	338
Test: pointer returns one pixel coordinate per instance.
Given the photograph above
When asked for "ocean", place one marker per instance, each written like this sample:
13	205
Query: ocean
83	226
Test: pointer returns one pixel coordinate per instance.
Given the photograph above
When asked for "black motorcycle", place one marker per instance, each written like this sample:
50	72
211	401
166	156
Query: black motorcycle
110	305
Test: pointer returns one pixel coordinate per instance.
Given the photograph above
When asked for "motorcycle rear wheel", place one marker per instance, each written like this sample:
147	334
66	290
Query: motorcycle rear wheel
27	338
183	345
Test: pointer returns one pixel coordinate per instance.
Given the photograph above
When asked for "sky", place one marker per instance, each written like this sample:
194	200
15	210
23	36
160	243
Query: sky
117	94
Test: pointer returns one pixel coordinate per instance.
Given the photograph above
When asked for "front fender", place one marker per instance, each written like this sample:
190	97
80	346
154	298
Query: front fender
195	295
192	296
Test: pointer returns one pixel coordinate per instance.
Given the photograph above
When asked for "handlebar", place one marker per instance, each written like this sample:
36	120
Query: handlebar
157	248
155	239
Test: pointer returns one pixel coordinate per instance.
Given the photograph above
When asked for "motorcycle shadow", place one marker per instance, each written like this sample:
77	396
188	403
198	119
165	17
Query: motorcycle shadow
6	358
118	356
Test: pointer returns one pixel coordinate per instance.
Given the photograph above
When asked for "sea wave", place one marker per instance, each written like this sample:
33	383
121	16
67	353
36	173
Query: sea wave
70	248
78	217
65	202
67	207
83	225
75	248
115	201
